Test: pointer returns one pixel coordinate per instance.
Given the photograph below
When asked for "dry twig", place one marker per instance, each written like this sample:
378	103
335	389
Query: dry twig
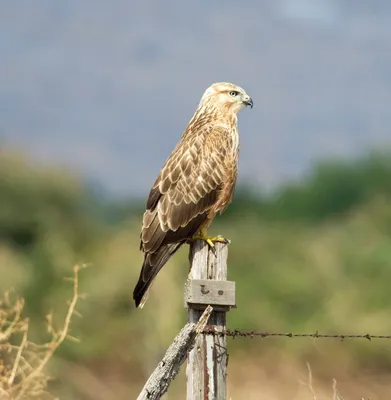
22	366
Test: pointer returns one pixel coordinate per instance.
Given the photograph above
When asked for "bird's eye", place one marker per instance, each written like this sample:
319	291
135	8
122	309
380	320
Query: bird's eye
233	93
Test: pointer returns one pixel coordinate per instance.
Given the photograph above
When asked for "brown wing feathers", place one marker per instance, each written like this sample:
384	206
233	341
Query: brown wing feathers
187	187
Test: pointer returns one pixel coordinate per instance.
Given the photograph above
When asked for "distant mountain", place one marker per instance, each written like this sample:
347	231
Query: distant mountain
108	87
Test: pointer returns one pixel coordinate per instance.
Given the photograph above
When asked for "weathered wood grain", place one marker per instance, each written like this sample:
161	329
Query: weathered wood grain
206	291
168	368
207	361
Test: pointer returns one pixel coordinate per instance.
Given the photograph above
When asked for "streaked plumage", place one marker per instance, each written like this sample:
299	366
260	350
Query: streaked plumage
196	182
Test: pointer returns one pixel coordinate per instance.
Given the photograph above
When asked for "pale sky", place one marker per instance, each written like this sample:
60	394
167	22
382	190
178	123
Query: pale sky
106	88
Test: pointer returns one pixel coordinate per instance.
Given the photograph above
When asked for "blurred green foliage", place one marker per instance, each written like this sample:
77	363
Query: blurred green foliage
43	213
314	254
332	188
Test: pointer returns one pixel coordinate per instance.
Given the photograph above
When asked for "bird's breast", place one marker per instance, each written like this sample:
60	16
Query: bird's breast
235	142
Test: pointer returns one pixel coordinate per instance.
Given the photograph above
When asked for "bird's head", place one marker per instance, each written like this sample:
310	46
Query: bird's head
226	95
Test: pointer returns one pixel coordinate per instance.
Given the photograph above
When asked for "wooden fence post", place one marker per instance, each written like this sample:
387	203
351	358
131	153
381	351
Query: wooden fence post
168	368
207	285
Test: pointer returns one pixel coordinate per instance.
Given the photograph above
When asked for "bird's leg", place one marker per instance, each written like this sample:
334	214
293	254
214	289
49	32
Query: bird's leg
202	235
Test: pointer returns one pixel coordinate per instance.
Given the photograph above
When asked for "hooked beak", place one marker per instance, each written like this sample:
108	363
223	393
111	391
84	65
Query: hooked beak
248	102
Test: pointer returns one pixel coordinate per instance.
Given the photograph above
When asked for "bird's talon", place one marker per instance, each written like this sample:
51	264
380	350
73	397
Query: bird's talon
211	244
211	240
220	239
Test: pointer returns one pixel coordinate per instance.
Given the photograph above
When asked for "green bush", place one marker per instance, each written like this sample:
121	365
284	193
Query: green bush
332	188
44	217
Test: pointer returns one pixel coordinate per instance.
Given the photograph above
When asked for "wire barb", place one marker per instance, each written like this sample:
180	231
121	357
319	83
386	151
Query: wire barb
234	333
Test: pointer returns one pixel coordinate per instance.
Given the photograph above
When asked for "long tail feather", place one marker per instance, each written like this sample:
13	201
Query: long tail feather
153	262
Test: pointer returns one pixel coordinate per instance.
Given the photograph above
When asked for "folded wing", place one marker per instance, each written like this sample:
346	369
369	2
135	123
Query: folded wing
187	187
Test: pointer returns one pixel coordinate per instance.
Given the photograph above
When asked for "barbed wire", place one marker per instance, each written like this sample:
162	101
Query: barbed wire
316	335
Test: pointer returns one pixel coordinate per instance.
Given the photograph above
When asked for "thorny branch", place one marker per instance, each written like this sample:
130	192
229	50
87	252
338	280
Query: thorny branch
316	335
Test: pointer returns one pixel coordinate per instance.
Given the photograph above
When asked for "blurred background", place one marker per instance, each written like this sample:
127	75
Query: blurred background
93	97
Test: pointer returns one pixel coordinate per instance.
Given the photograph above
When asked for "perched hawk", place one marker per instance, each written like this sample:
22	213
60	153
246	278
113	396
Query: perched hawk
196	182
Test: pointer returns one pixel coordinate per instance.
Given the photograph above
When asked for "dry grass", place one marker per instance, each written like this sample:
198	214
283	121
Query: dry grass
285	378
22	362
309	384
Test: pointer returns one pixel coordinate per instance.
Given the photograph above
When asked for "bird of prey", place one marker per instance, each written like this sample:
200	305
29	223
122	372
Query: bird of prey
196	182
